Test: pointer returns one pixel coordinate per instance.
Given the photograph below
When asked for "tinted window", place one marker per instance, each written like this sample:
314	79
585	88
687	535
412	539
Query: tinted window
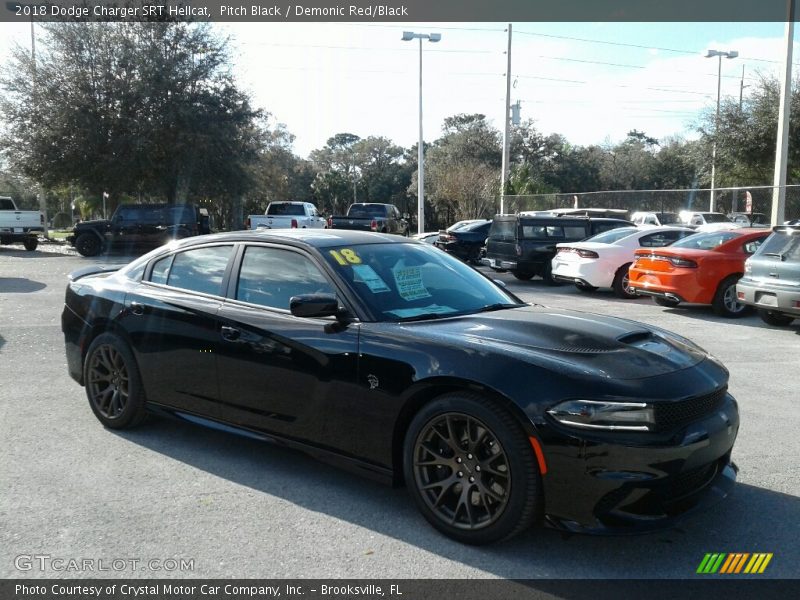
286	209
662	238
502	230
160	271
270	277
705	241
200	270
538	232
179	214
600	226
6	204
783	244
400	281
367	210
609	237
477	226
716	218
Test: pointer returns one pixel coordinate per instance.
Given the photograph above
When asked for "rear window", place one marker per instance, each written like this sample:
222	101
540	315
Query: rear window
609	237
705	241
475	226
783	244
286	209
367	210
715	218
503	231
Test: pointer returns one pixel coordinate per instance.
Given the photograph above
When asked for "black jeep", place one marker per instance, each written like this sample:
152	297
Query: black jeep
140	225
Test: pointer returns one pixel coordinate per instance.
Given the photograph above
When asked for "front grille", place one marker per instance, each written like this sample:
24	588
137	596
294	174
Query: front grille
669	415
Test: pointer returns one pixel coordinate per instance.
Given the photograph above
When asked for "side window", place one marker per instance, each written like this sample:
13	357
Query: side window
200	270
651	220
574	233
160	271
271	276
697	220
601	227
662	238
751	247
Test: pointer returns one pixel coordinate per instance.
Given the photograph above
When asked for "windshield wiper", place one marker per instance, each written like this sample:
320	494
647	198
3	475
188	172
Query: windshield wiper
497	306
426	316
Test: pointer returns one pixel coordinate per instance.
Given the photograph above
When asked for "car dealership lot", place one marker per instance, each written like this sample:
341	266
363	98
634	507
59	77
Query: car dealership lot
241	508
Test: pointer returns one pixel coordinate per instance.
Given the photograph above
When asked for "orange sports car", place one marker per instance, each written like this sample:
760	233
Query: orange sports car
702	268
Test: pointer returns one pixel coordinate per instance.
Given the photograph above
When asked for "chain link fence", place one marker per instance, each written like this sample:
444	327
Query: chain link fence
727	200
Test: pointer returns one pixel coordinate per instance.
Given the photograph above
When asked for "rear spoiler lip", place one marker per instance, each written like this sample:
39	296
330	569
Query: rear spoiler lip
92	270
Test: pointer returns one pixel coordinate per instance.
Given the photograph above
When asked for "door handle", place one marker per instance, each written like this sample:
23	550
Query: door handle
137	309
230	334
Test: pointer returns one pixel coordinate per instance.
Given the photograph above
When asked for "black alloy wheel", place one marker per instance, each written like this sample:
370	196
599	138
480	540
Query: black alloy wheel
87	244
472	470
113	384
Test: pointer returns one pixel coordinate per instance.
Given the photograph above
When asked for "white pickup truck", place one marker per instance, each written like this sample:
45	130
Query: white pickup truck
288	215
19	226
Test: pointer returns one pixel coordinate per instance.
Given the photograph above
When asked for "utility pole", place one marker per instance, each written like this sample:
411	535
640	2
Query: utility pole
782	144
506	127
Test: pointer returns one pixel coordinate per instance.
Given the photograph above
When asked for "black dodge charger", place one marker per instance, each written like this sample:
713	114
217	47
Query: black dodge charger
391	358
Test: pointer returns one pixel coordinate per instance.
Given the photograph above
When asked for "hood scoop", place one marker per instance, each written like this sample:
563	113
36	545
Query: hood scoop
636	337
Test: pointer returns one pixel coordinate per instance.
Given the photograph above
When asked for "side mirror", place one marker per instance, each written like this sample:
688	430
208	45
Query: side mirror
314	305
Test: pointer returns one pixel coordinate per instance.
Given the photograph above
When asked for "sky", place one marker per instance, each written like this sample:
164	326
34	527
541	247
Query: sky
591	82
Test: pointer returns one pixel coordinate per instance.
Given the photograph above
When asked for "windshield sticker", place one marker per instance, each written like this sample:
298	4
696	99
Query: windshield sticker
346	256
404	313
409	283
367	275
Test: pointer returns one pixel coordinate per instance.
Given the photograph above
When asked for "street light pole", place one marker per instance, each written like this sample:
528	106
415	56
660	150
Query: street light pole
432	37
719	54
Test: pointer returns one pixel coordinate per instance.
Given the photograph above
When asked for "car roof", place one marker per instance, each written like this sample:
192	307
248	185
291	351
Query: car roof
317	238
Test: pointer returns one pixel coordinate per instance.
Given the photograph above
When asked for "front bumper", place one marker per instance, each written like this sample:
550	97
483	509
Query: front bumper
596	485
768	296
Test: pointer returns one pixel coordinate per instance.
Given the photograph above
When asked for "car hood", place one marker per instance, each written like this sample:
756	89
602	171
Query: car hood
98	223
580	344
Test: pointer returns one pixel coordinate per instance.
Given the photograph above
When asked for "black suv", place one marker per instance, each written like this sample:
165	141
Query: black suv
525	245
140	225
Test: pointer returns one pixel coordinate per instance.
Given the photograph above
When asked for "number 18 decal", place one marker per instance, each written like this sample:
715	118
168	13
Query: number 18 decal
345	257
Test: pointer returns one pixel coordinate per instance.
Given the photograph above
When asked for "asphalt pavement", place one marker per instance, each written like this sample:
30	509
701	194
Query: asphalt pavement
234	507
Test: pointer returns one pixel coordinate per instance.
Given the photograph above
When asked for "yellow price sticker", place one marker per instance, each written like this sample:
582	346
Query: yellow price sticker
346	256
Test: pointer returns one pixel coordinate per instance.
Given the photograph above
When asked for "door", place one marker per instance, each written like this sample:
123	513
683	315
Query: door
171	319
278	372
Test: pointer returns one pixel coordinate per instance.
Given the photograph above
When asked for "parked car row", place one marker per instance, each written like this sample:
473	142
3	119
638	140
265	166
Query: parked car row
733	270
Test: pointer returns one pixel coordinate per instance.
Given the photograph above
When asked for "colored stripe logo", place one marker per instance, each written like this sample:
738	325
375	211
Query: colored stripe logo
729	563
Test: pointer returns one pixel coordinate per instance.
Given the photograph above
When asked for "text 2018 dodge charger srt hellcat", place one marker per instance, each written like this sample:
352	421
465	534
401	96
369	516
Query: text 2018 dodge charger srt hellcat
389	357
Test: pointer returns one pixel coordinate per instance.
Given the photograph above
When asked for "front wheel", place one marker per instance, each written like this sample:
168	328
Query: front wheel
471	469
113	384
725	302
776	319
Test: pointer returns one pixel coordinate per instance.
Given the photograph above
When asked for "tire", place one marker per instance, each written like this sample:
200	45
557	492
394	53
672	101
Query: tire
665	302
30	243
585	287
474	256
113	384
492	460
522	275
725	303
770	317
547	274
620	284
87	244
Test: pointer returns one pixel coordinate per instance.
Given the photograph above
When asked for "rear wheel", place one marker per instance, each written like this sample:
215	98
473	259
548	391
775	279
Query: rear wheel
87	244
547	274
113	385
777	319
522	275
30	243
725	303
666	302
471	469
621	284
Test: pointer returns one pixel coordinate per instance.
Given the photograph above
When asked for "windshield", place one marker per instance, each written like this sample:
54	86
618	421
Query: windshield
715	218
612	235
705	241
668	218
399	281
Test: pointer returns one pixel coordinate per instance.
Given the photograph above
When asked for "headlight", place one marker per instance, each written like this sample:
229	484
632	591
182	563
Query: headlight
608	416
